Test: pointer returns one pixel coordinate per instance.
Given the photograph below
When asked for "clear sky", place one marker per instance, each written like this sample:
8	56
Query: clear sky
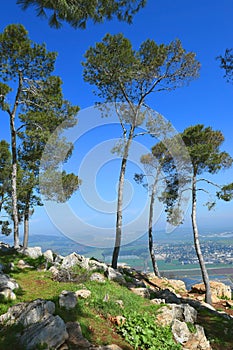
204	27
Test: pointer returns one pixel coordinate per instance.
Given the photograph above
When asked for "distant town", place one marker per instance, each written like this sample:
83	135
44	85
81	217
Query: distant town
213	252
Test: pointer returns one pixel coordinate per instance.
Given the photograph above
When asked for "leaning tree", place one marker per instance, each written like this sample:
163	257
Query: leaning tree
126	78
203	145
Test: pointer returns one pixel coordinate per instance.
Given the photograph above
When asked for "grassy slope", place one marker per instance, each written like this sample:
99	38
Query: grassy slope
94	313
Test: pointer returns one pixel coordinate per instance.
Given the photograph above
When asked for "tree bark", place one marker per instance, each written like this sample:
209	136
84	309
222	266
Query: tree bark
14	162
205	277
14	182
117	244
150	229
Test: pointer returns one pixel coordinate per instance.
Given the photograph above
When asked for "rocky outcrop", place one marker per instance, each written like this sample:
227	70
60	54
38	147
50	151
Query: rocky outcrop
68	300
48	255
175	286
50	331
7	285
218	289
32	252
168	314
39	325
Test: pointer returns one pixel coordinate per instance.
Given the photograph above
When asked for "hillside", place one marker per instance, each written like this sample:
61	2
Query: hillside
107	309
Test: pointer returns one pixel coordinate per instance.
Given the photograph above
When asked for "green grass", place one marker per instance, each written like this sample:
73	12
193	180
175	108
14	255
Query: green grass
94	314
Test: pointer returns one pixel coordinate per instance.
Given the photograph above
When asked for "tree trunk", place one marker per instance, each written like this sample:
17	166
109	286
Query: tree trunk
26	226
204	272
14	182
150	230
14	162
117	245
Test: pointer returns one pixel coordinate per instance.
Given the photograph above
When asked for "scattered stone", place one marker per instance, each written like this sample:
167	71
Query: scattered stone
158	301
32	252
48	255
120	303
7	282
142	292
67	299
8	294
50	331
23	265
114	275
118	320
75	259
54	271
83	293
97	265
97	277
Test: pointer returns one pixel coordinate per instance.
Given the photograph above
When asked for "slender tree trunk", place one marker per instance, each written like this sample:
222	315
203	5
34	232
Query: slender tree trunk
150	230
14	182
117	245
14	162
204	272
26	226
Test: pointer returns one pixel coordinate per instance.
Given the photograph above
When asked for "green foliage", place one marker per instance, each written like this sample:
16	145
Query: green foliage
226	63
142	332
123	74
78	12
226	192
203	145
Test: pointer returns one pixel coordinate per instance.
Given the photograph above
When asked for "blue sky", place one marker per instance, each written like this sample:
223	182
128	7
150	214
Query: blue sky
204	27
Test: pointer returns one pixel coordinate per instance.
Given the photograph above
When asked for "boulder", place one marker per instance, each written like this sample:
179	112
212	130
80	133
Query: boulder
67	299
54	271
83	293
48	255
168	314
23	265
32	252
7	282
97	277
142	292
114	275
50	331
28	313
175	286
197	340
180	331
75	259
97	265
218	289
75	337
8	294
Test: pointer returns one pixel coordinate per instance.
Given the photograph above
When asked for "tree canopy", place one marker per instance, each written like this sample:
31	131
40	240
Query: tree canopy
226	63
78	12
